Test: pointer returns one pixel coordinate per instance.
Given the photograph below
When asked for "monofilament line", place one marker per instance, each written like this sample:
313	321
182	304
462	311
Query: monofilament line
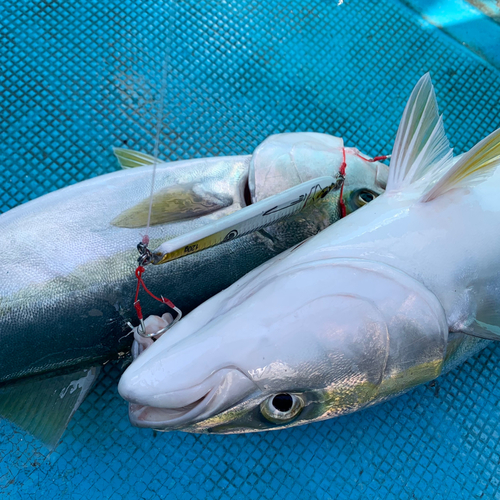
159	121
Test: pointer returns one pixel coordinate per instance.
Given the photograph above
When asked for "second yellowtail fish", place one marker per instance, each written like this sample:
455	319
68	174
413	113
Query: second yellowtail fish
68	258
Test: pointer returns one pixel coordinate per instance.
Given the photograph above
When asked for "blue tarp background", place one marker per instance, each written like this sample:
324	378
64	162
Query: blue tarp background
78	77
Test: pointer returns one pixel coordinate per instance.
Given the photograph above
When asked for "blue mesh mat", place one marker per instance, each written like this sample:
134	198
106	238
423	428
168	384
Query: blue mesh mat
80	76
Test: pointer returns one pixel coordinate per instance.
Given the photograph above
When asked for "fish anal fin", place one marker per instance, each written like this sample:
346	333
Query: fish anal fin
173	204
470	169
128	158
43	406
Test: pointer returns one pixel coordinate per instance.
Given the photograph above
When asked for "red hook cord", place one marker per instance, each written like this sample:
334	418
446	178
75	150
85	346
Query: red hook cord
343	211
377	158
138	273
342	171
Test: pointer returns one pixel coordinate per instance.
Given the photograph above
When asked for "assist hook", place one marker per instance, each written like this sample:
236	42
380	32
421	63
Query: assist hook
143	260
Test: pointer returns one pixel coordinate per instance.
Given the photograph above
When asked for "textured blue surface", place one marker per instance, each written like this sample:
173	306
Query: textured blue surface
470	22
81	76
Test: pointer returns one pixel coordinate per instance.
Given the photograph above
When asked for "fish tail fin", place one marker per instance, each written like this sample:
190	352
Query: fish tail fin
471	168
43	406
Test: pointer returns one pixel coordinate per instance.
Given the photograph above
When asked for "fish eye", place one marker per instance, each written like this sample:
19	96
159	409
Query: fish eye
281	408
364	197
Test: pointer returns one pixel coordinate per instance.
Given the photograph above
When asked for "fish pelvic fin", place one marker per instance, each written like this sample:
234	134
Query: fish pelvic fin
132	159
43	406
421	145
471	168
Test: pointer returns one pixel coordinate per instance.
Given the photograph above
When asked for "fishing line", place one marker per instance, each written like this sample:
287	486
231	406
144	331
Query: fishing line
145	254
159	121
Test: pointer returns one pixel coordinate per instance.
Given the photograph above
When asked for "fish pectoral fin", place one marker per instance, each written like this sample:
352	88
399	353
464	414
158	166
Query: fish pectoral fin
132	159
173	204
487	319
481	331
43	406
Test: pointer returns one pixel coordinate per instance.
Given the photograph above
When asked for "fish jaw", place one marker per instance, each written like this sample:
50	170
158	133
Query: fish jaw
223	388
340	335
163	389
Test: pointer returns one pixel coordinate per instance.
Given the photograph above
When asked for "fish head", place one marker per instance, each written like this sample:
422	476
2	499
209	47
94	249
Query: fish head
287	348
286	160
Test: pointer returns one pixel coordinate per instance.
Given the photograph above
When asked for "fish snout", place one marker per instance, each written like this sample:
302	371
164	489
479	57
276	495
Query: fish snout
161	408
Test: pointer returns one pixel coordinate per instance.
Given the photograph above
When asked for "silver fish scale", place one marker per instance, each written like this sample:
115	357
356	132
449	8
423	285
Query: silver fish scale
74	78
69	298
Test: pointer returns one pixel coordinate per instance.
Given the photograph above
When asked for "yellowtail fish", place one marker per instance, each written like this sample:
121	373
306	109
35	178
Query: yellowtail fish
68	258
386	299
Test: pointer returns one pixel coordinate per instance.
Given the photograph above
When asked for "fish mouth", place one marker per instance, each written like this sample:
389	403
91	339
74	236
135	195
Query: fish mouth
151	416
221	390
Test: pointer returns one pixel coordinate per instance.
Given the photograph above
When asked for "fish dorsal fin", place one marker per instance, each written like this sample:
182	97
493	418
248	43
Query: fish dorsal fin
421	144
470	169
132	159
173	204
43	406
